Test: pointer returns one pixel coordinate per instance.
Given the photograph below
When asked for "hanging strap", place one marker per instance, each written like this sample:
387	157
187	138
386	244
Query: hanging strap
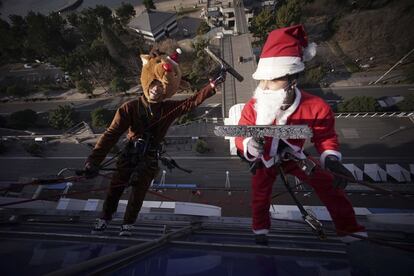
310	219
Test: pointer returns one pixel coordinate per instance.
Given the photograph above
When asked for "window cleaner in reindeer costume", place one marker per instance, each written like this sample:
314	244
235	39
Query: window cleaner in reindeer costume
278	101
147	120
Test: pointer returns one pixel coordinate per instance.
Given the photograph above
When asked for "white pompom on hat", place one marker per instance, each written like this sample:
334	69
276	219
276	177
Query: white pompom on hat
284	52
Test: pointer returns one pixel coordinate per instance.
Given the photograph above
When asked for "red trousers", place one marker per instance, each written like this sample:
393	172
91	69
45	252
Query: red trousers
335	200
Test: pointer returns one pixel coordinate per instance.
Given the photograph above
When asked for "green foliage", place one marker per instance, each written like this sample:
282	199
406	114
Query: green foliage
200	63
201	146
313	76
62	118
74	42
23	119
104	14
262	24
203	28
288	14
101	117
149	4
186	118
125	12
118	84
407	104
266	21
17	91
84	86
33	148
359	104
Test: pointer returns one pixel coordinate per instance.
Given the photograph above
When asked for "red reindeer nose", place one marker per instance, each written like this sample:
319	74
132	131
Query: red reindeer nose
167	67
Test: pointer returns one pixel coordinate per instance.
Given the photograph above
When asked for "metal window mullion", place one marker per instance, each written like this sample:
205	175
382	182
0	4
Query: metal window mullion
112	261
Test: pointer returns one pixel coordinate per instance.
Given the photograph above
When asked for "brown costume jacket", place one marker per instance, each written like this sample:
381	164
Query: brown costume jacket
138	116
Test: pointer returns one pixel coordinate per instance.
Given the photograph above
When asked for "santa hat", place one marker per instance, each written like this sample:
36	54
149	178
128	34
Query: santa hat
176	55
283	53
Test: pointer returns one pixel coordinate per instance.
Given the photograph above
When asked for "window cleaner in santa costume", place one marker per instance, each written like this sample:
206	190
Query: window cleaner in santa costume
278	101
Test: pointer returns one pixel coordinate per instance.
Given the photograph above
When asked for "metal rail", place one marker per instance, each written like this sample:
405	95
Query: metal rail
107	263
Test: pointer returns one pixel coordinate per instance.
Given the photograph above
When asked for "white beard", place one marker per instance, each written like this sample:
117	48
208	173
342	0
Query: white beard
268	104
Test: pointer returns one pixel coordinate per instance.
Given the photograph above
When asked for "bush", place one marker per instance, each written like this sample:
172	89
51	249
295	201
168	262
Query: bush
184	119
23	119
101	117
17	91
359	104
62	118
203	28
84	87
33	148
313	76
118	84
201	146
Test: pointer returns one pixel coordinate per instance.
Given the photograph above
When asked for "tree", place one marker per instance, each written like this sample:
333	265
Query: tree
118	84
33	148
201	146
23	119
101	117
359	104
149	4
262	24
63	117
288	14
104	13
125	12
84	86
203	28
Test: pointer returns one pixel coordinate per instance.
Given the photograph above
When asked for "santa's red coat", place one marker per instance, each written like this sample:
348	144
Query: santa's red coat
308	110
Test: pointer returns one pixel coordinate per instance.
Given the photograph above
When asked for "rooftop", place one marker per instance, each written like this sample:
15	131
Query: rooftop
150	20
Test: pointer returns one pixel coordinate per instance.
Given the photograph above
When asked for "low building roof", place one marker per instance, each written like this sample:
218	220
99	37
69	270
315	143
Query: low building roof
150	20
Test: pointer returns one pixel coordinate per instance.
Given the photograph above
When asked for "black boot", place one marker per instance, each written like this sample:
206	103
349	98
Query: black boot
261	239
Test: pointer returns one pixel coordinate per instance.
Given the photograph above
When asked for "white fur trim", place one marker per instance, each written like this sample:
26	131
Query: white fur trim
274	146
294	150
245	141
309	52
261	231
349	239
172	61
282	121
329	152
270	162
276	67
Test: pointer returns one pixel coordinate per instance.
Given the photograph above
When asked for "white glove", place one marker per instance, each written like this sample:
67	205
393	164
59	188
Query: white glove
255	148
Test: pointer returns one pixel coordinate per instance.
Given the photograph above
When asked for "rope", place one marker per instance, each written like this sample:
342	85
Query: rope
43	182
79	192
